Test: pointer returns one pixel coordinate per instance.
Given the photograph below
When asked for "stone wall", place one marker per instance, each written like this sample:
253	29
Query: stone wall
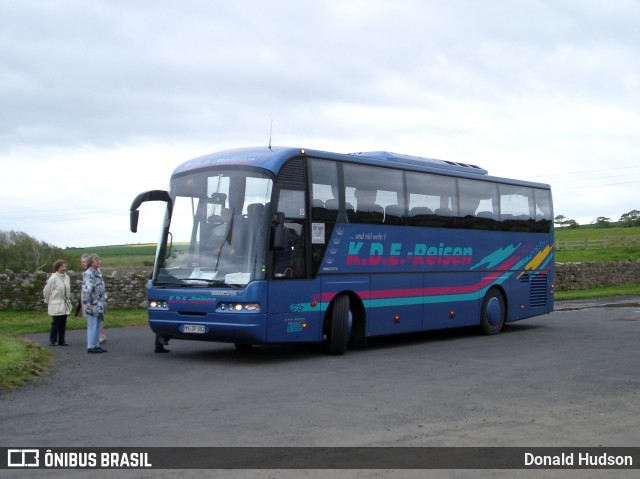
573	276
23	291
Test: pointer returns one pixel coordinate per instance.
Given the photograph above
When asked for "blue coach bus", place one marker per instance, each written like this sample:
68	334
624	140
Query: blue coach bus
282	245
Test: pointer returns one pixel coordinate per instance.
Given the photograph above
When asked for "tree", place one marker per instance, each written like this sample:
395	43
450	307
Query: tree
19	251
573	224
632	218
602	222
562	220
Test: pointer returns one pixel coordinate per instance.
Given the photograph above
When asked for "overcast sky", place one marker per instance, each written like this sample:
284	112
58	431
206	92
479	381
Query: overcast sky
102	99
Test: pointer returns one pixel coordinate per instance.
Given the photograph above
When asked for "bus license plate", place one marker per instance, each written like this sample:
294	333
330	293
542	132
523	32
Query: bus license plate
193	328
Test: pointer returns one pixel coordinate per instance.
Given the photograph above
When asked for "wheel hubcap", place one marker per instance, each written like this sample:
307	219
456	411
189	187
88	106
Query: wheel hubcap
494	311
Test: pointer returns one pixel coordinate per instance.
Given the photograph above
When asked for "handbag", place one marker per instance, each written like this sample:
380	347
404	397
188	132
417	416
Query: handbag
68	307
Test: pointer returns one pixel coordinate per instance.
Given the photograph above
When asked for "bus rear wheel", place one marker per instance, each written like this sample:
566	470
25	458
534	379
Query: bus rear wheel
339	327
494	312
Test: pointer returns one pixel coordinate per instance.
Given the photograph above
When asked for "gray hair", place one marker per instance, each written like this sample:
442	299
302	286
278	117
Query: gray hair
91	258
83	261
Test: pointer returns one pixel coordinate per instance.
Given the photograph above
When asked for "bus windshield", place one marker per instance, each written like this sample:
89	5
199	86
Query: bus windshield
218	229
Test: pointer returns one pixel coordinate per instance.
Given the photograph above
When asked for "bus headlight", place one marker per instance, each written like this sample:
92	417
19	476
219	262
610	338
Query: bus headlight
238	307
157	304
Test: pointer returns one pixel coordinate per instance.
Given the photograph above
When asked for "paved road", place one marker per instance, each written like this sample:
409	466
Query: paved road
568	379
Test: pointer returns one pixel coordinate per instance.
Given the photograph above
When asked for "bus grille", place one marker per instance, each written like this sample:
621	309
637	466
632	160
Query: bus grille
539	290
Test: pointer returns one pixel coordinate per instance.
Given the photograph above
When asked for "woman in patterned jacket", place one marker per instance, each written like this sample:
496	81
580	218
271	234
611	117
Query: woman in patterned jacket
94	302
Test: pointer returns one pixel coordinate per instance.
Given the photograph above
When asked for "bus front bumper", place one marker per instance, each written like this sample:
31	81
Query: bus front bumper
230	328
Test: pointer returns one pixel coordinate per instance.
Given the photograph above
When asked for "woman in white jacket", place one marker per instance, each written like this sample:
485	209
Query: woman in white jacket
57	295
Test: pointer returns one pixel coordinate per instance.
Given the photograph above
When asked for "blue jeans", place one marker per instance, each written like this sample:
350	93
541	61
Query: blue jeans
93	331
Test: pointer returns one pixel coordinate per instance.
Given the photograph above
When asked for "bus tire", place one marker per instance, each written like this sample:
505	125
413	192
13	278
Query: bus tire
339	327
494	312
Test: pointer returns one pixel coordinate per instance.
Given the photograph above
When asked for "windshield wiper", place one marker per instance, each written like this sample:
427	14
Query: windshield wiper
221	282
189	283
168	280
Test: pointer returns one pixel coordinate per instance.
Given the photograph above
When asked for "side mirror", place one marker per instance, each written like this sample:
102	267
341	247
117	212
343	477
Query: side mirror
153	195
133	220
278	233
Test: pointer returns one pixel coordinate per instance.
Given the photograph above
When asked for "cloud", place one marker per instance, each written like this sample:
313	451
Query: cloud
531	89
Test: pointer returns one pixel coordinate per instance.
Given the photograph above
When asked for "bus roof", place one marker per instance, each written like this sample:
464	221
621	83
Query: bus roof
421	162
272	159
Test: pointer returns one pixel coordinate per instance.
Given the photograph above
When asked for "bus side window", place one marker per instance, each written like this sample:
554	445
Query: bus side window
368	211
372	190
543	210
394	215
479	205
324	191
432	200
516	208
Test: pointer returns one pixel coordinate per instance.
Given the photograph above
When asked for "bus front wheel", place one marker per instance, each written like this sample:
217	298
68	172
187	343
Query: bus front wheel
339	327
494	312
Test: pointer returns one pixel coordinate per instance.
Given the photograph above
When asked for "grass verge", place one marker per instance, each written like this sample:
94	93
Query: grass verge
30	322
594	293
21	361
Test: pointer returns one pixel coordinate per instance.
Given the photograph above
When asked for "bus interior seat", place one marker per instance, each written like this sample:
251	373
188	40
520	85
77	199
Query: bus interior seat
351	212
331	204
255	210
443	212
420	216
394	215
332	208
486	214
484	220
239	225
420	210
443	218
369	213
324	211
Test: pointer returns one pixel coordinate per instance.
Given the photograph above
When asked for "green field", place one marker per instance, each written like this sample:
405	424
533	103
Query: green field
120	255
590	231
144	254
592	235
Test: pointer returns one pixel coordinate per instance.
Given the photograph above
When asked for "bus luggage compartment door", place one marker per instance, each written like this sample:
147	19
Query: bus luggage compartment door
294	311
394	304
